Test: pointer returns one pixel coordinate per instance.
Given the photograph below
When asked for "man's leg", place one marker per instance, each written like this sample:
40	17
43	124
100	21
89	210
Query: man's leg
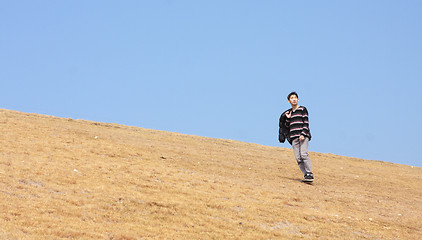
296	144
303	146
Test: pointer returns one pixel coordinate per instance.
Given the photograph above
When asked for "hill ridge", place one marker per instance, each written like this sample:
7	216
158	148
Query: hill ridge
66	178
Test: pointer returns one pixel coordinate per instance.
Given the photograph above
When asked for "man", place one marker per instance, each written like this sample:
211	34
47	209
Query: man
294	126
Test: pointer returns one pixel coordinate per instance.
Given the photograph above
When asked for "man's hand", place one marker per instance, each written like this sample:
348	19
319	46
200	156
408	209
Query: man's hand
301	138
288	114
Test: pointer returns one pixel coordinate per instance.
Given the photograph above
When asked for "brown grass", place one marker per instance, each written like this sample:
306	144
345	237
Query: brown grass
64	178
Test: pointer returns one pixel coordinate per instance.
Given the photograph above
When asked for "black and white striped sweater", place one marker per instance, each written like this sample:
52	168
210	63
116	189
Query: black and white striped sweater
297	124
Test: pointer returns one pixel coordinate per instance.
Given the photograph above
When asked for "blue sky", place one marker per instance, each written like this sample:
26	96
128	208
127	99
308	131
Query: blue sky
223	69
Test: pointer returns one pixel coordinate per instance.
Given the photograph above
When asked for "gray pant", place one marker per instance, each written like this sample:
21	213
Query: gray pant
300	148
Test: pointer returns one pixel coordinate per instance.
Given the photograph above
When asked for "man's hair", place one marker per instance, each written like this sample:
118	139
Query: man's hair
292	93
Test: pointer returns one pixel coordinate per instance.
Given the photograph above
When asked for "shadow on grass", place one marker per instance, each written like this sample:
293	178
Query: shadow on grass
298	180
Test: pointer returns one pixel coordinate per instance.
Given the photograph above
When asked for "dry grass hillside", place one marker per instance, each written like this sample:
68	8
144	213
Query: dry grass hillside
75	179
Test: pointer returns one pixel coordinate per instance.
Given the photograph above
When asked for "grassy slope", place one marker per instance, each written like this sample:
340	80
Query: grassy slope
65	178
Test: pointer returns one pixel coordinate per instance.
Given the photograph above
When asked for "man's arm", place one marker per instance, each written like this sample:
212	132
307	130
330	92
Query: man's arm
305	132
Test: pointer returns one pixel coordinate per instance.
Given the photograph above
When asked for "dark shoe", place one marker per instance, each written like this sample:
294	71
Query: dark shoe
309	177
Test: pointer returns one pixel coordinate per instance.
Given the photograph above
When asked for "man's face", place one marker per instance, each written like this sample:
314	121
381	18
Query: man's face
293	100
